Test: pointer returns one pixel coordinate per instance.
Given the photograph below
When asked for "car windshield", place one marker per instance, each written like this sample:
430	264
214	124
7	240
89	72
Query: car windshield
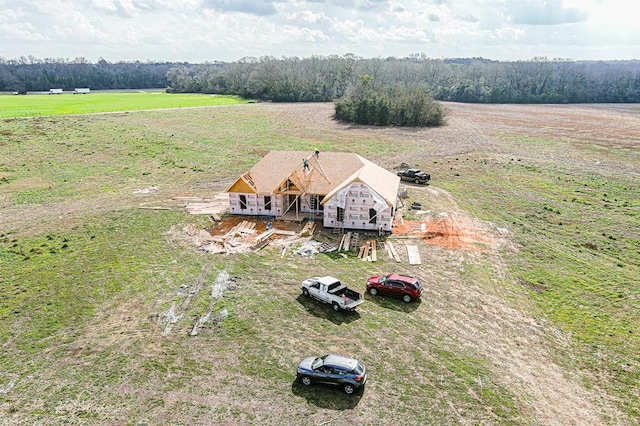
415	285
317	363
382	279
359	369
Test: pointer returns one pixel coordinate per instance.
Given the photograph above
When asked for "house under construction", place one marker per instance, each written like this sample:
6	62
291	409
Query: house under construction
342	189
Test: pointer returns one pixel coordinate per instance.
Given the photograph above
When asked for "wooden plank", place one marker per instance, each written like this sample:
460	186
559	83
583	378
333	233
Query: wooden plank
386	246
283	232
374	251
347	242
154	208
266	234
206	204
393	252
366	250
185	198
414	255
308	229
203	211
344	236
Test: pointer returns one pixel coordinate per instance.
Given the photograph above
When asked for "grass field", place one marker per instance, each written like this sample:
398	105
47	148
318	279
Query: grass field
535	324
95	102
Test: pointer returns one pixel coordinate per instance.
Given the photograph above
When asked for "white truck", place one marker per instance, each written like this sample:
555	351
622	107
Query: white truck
331	290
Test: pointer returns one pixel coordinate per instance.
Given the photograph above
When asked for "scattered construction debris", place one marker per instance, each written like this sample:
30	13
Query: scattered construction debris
308	229
218	288
188	294
170	318
314	247
235	235
215	206
149	190
243	228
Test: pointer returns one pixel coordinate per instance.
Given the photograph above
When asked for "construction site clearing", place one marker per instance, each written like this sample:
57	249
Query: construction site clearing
238	234
229	234
234	234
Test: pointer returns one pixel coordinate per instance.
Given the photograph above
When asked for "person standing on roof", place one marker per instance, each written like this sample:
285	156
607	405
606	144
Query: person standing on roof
317	154
305	165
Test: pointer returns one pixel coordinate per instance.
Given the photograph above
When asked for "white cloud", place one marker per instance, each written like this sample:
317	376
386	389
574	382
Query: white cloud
209	30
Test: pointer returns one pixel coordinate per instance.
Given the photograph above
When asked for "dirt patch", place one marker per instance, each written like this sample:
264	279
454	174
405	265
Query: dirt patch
450	232
444	224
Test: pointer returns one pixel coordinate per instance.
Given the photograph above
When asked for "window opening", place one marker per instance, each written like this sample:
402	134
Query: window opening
373	216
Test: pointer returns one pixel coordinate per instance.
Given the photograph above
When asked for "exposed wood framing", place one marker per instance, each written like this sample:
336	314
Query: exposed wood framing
295	201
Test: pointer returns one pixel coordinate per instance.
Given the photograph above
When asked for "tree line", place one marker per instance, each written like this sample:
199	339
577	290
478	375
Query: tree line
329	78
32	74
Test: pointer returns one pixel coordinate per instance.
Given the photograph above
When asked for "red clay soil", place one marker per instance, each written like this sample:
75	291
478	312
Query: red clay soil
446	232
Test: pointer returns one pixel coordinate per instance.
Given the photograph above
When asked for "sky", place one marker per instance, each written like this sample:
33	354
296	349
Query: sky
198	31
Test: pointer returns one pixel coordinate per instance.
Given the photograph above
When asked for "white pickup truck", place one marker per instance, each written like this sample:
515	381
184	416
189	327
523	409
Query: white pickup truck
331	290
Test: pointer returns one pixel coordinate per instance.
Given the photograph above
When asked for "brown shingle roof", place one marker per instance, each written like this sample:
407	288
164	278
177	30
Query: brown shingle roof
329	172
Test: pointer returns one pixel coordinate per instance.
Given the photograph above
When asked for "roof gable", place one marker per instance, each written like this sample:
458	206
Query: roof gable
242	185
380	180
327	173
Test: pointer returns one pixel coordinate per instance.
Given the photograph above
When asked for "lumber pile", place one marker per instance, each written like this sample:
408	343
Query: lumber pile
308	229
198	205
243	228
368	251
264	236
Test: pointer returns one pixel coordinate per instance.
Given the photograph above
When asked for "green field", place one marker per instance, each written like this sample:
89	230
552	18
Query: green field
94	102
537	326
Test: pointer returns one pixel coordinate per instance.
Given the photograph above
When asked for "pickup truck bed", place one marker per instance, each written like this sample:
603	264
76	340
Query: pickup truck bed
332	291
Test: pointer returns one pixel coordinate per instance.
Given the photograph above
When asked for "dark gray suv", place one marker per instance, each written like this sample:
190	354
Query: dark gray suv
333	369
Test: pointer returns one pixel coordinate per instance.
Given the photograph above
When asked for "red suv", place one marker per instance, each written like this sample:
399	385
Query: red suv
408	288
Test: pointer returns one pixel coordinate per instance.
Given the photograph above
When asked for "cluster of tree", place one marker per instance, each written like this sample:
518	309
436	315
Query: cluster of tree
462	80
328	78
31	74
389	106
